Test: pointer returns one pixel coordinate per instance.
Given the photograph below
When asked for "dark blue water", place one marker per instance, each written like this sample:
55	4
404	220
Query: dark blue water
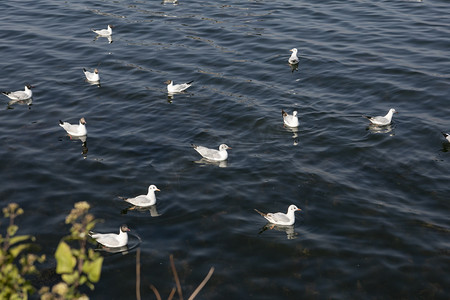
374	221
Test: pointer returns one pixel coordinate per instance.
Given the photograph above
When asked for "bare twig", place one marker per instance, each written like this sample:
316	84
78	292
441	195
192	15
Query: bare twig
175	276
138	273
155	290
172	292
202	284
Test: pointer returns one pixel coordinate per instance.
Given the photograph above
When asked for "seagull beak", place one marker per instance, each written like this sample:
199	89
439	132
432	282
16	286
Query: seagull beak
298	209
158	190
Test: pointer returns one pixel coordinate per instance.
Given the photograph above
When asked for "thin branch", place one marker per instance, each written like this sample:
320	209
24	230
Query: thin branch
138	273
202	284
155	290
175	276
171	294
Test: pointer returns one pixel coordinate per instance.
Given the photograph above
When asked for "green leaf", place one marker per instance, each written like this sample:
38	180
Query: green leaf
64	258
70	278
12	229
15	251
93	269
20	238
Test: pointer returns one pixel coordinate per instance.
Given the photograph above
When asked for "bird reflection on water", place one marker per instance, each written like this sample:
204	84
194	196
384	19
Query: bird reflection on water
220	164
288	229
381	129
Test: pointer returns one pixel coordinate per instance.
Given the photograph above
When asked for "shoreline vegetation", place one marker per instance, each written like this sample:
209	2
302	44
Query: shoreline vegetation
77	264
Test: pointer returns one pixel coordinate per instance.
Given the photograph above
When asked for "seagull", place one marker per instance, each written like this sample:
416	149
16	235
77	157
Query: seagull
293	59
290	120
144	200
280	218
447	136
213	154
104	32
112	240
176	88
92	76
75	130
20	95
379	120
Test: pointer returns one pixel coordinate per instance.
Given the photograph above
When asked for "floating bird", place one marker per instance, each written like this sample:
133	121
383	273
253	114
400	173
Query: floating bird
104	32
92	76
290	120
447	136
213	154
112	240
293	59
379	120
20	95
75	130
176	88
280	218
144	200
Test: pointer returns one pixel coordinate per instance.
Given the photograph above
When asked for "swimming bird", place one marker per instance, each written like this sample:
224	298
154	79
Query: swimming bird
20	95
290	120
144	200
447	136
176	88
293	59
112	240
213	154
75	130
280	218
92	76
380	120
104	32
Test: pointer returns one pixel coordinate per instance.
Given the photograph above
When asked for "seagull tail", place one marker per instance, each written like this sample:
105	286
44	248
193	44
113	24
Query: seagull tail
261	213
368	117
61	122
190	82
444	134
283	113
194	146
84	70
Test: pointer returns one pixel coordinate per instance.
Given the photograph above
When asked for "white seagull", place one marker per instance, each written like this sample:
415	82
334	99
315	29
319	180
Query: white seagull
104	32
20	95
112	240
380	120
447	136
92	76
144	200
280	218
290	120
293	59
213	154
176	88
75	130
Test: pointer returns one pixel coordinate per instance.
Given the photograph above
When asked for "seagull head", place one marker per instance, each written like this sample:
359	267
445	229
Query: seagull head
168	82
224	147
153	188
294	113
111	26
96	71
124	228
293	50
82	121
393	111
292	207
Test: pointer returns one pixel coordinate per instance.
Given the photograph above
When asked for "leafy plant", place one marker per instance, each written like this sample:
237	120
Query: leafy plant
14	263
78	266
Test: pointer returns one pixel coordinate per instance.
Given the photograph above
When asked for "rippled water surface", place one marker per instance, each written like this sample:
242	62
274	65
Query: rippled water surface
375	205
